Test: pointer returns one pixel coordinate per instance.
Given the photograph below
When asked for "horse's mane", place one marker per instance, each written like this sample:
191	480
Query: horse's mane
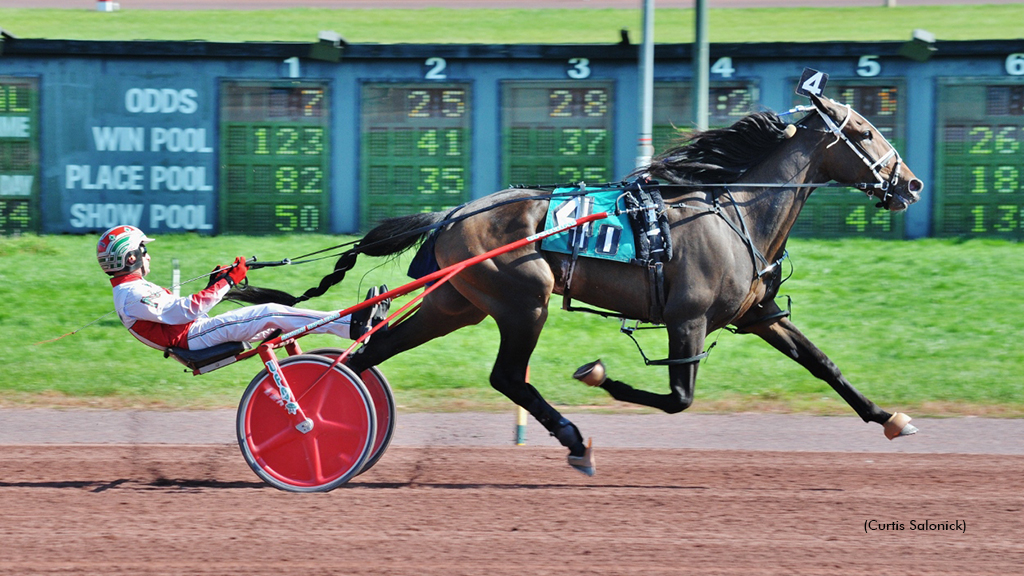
721	155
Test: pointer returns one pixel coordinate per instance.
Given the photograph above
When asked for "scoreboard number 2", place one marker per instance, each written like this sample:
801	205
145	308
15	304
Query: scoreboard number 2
437	68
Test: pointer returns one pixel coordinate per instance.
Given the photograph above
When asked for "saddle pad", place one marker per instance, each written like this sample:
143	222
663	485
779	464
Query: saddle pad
609	239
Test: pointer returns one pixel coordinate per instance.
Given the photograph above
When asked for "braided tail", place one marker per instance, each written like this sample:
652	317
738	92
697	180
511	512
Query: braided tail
391	236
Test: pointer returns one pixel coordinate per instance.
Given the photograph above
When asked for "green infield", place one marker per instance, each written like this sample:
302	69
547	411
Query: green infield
927	327
561	26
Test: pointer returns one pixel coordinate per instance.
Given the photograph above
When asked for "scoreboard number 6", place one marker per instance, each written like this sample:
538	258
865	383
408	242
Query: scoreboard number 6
1015	64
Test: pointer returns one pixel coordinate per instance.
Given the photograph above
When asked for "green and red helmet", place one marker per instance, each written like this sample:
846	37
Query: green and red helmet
116	245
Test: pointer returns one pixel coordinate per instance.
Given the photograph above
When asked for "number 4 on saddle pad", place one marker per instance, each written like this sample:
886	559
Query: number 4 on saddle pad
613	237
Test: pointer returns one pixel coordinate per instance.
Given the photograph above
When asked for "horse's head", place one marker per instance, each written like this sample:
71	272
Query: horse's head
860	156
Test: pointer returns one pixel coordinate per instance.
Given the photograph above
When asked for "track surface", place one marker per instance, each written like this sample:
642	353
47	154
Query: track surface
452	496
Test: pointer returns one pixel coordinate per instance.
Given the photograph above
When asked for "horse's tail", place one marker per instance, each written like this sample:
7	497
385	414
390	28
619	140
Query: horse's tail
398	234
391	236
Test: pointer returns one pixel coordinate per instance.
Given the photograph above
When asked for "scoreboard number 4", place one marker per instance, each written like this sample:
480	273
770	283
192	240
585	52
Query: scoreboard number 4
723	67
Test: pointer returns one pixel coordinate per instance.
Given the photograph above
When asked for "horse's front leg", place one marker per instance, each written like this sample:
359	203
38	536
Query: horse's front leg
786	338
686	343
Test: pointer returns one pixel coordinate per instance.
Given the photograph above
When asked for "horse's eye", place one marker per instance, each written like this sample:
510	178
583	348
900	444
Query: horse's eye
867	135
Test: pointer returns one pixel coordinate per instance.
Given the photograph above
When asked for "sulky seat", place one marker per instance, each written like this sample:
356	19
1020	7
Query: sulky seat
209	358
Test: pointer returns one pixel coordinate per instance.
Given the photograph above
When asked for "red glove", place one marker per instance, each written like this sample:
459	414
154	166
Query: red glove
238	270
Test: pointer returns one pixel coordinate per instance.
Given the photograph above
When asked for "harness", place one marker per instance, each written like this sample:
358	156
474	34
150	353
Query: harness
641	201
874	165
645	200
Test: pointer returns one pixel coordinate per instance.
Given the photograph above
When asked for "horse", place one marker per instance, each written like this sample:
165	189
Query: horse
732	196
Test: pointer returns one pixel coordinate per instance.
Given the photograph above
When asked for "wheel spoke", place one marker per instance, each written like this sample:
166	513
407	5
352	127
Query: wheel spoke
311	446
285	436
343	428
314	398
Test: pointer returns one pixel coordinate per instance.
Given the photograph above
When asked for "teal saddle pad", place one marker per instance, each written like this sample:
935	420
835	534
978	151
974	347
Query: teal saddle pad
608	239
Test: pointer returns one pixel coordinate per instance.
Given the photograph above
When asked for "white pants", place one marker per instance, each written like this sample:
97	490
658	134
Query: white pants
256	323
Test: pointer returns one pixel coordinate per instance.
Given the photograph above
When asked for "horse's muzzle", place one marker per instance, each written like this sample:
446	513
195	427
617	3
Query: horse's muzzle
900	197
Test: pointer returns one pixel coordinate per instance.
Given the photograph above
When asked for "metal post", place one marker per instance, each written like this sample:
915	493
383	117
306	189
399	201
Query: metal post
701	73
521	416
645	145
175	278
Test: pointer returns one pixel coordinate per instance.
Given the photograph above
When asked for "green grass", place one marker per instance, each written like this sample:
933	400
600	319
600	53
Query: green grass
483	26
929	326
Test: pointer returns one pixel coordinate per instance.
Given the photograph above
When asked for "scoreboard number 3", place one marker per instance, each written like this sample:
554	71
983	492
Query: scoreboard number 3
579	68
811	82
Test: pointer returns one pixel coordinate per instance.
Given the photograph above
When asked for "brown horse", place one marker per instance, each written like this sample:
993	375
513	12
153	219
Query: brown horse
734	196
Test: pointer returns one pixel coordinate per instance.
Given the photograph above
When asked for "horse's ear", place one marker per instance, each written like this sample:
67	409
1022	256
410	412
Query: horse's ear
819	103
825	105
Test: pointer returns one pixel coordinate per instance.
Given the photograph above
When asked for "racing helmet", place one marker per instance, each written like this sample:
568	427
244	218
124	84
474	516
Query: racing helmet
116	245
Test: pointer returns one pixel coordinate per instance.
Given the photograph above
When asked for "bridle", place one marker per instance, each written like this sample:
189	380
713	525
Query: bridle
875	166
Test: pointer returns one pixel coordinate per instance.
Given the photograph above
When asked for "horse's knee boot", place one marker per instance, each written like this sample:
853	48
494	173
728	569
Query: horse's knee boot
557	425
569	435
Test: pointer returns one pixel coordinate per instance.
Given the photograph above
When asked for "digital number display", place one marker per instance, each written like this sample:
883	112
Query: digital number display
980	159
275	156
673	109
556	133
19	155
836	212
415	149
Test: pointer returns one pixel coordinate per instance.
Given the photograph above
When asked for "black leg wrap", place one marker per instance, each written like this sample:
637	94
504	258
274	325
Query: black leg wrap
556	424
617	390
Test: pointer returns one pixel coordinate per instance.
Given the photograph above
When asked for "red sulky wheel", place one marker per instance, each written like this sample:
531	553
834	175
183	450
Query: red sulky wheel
383	402
343	429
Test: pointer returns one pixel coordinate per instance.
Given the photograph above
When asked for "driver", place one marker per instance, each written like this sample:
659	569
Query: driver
161	320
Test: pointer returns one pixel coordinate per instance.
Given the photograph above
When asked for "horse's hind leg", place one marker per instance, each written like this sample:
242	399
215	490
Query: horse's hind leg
442	312
686	343
520	328
786	338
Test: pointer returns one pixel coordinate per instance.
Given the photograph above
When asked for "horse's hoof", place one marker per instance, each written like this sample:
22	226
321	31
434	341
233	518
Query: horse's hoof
591	374
899	425
585	463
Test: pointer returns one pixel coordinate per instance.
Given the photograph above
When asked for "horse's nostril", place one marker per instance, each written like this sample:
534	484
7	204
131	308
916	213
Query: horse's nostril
915	185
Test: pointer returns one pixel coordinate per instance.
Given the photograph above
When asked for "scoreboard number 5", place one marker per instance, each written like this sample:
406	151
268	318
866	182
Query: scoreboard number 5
868	67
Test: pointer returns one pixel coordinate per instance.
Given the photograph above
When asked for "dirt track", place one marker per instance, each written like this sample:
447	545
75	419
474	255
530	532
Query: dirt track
454	496
147	509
